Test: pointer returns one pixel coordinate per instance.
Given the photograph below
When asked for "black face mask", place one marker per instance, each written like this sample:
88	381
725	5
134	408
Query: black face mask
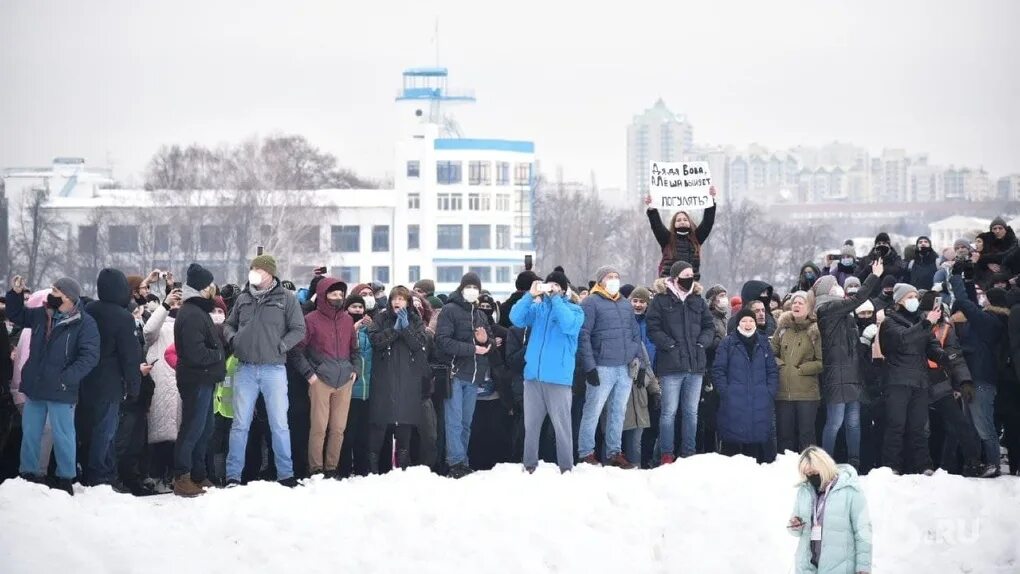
926	250
685	283
53	302
887	293
356	316
882	250
816	481
337	304
863	324
683	230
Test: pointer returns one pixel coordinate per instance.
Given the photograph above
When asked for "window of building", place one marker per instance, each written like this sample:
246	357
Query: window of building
502	202
479	237
123	239
414	273
448	172
381	274
479	173
161	238
502	237
212	239
479	202
502	173
522	174
380	238
503	274
449	273
307	240
449	201
414	236
186	235
484	273
414	201
88	239
349	275
450	236
345	238
413	168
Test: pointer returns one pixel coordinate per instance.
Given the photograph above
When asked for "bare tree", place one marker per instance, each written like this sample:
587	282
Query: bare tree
35	242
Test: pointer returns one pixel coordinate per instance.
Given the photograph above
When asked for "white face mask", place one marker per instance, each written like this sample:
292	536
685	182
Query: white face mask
369	304
470	294
837	291
613	286
254	278
218	318
722	304
911	305
746	333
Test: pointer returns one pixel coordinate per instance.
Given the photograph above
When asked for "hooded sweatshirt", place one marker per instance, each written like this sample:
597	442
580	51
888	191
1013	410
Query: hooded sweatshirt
749	293
117	375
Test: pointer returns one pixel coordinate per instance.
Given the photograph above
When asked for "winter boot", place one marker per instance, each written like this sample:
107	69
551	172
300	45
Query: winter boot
64	484
33	478
459	471
620	461
990	471
373	463
403	458
590	459
185	487
667	459
289	482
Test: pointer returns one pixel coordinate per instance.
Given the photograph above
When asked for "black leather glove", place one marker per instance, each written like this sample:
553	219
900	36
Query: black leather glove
640	380
967	391
593	377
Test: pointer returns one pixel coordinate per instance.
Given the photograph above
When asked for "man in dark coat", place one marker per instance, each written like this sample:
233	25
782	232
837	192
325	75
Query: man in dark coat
840	382
809	273
908	344
921	269
891	260
752	293
463	340
117	377
63	350
201	363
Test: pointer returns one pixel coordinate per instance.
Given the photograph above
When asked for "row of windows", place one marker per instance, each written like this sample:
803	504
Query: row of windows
479	172
444	274
455	201
343	238
453	273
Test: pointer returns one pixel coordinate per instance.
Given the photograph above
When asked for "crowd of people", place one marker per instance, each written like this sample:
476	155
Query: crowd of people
159	386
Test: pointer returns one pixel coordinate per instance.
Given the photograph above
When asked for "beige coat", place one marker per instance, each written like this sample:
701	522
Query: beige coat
798	349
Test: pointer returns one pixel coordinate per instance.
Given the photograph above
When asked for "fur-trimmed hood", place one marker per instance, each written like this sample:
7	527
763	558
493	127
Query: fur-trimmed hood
786	321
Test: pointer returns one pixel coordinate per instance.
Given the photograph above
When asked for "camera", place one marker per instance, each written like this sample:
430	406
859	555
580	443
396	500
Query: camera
544	288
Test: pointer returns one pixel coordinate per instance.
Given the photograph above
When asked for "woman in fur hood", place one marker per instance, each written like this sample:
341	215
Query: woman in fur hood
797	345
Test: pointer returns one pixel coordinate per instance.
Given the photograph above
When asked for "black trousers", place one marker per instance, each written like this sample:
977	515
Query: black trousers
905	445
958	433
754	450
131	440
795	424
490	435
354	452
377	438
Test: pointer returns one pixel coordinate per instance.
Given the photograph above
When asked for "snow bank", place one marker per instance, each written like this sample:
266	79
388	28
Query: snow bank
705	514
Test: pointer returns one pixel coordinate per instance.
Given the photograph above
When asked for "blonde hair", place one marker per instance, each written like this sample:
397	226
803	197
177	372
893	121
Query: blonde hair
814	458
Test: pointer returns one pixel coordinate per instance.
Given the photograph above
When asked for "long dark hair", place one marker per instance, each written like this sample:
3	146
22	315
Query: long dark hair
693	235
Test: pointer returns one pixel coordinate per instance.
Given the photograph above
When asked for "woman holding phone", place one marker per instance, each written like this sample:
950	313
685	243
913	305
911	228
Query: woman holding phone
165	408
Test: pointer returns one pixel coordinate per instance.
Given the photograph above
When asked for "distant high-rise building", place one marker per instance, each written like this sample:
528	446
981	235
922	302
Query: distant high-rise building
655	135
1008	188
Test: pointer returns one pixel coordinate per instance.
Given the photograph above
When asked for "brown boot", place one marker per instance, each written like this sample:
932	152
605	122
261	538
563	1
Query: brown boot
184	486
620	461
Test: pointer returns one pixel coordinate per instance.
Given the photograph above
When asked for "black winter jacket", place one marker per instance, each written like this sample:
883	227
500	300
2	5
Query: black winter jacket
840	379
944	380
681	331
118	373
749	293
400	368
892	261
907	344
985	339
685	250
201	359
921	270
455	339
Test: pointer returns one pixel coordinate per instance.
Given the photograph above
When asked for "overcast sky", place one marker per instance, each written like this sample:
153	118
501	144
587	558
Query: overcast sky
111	80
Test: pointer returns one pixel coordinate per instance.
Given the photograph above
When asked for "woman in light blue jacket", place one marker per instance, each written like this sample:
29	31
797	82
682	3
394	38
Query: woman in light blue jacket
830	517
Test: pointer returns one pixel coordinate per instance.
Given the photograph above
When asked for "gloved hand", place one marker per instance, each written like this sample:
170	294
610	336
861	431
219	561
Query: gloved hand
402	321
967	390
868	336
655	402
593	377
640	380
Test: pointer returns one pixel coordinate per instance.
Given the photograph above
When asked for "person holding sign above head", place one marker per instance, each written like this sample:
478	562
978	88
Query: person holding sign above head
683	239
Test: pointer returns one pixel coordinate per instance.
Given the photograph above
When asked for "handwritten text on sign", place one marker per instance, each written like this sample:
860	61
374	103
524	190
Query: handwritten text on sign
680	185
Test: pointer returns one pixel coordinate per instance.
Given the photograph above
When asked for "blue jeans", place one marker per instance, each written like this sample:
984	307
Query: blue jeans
982	409
679	391
271	381
632	446
33	420
197	424
103	418
458	412
614	389
835	415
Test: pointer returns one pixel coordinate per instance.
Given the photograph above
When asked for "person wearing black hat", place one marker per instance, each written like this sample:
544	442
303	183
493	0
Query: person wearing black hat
884	300
523	283
201	363
553	323
463	340
883	249
354	451
921	269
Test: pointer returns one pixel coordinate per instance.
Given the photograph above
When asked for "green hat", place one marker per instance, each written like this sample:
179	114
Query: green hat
265	263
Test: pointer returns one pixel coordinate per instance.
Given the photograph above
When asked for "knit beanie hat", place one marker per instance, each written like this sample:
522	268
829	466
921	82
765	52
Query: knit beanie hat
470	279
525	279
961	243
997	221
852	283
745	312
888	281
558	277
847	251
352	299
426	286
626	290
435	302
824	285
901	290
997	297
882	237
69	287
677	268
641	294
198	277
601	272
264	262
866	306
923	237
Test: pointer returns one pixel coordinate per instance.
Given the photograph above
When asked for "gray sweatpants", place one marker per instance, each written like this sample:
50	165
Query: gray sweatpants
541	399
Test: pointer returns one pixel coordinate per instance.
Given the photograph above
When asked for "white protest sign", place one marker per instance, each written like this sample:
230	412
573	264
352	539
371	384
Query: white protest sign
680	185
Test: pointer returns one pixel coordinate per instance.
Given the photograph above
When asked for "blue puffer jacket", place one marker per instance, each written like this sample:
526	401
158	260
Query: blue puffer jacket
363	363
554	324
609	336
747	389
643	329
61	354
846	527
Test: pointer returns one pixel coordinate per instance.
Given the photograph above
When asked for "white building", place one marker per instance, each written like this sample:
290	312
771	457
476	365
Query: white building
657	134
458	205
945	231
1008	188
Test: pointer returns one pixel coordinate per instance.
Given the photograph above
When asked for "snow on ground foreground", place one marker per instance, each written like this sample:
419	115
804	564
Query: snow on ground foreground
705	514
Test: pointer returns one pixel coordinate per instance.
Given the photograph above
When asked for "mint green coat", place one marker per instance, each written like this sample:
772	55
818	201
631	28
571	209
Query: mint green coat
846	531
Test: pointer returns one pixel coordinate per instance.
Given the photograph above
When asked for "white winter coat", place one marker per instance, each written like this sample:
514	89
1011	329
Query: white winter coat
165	411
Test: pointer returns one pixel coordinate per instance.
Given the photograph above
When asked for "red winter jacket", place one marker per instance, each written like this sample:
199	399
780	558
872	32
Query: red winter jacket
330	343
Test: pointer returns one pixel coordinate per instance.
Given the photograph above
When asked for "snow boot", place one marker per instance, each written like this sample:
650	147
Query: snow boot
185	487
590	459
403	458
667	459
373	463
289	482
459	471
619	461
33	478
64	484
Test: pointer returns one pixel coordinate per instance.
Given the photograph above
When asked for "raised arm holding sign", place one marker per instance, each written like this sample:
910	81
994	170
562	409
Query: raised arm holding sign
681	185
683	238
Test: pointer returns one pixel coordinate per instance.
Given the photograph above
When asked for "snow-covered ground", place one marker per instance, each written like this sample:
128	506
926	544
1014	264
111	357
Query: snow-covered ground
705	514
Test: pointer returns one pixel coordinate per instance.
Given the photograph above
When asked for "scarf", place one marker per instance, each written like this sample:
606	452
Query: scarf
675	289
599	289
259	294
